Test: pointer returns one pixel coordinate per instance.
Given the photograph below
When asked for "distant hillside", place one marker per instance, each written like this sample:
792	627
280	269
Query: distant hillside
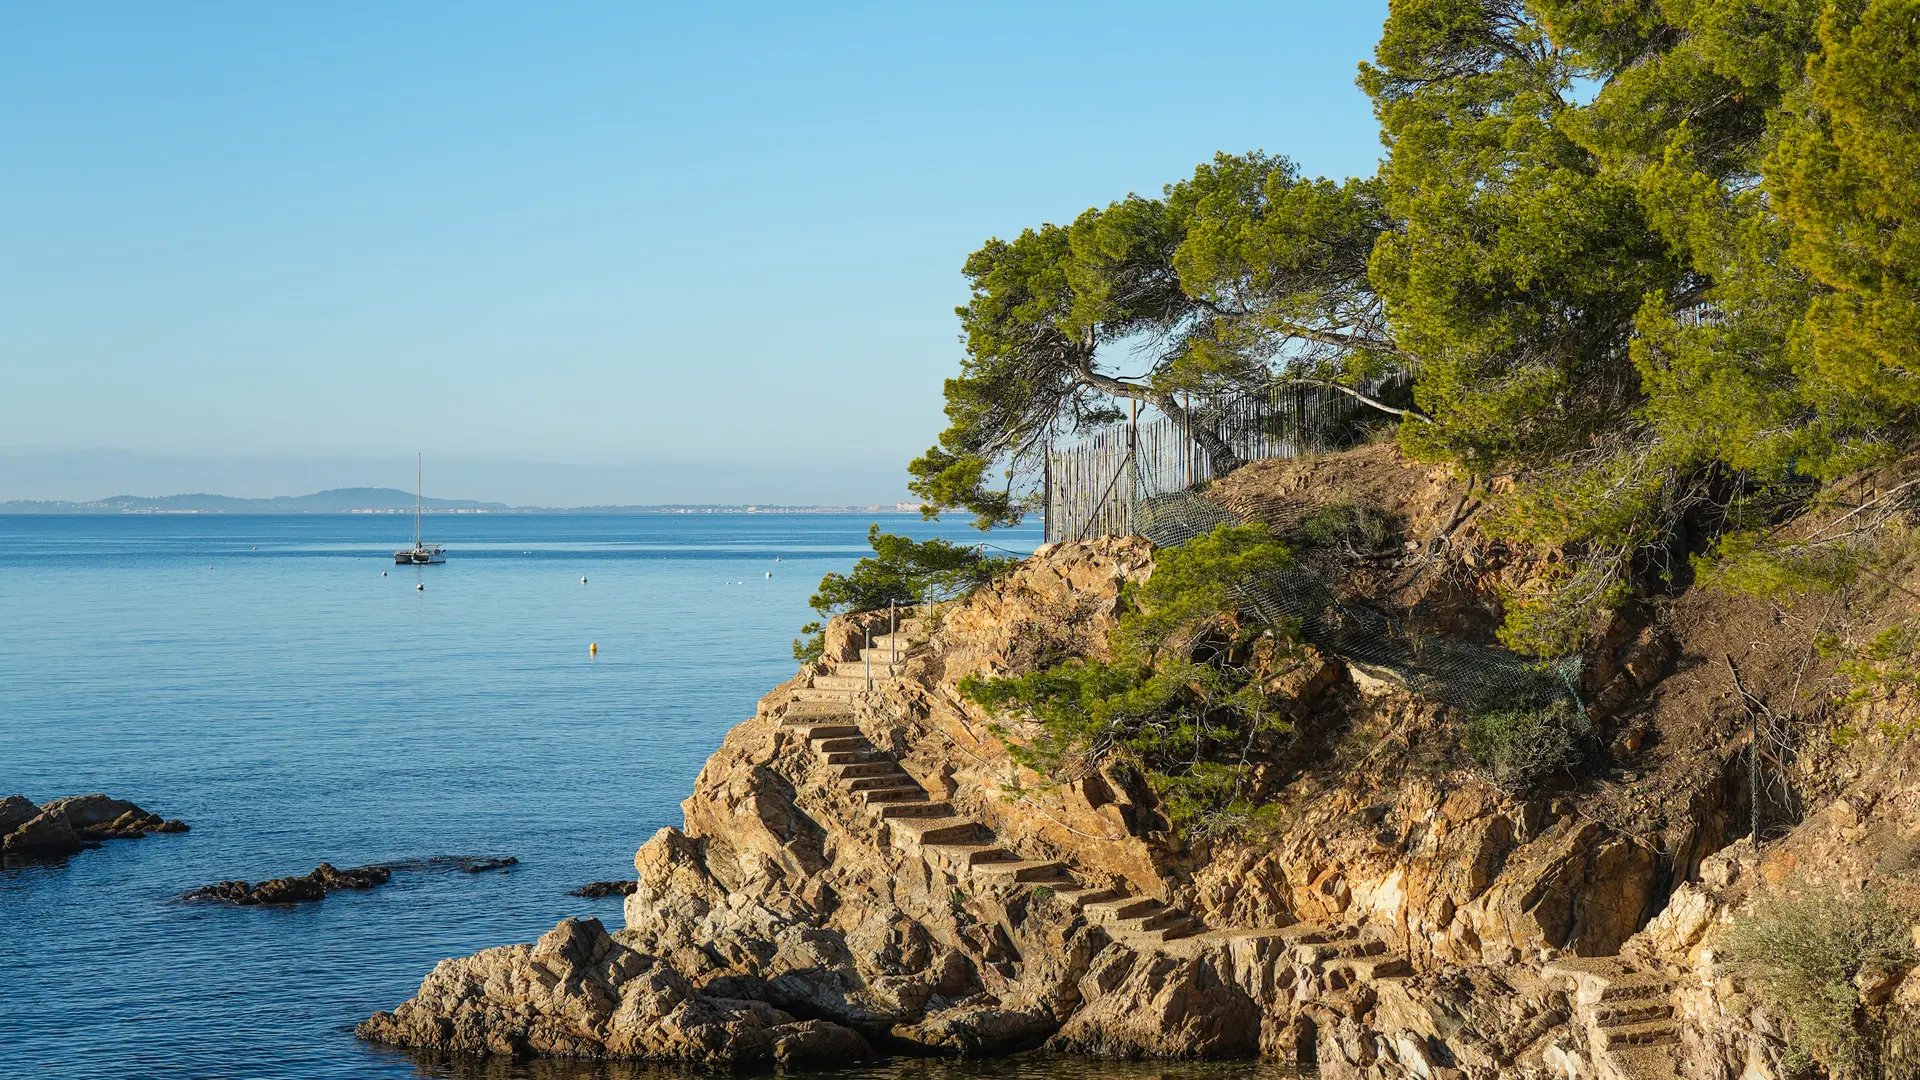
392	500
336	501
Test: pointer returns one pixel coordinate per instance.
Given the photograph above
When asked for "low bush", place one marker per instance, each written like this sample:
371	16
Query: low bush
1349	529
1814	958
1181	698
1517	748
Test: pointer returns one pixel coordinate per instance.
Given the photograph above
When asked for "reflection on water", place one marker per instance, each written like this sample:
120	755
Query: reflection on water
1033	1066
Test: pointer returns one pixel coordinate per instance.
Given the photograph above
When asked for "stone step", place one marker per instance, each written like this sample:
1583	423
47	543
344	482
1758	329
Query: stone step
1120	908
915	809
967	856
1624	1012
1312	933
816	695
851	683
828	731
924	832
1022	870
868	756
894	777
1081	895
1372	968
797	711
1173	926
1153	920
842	744
874	665
1324	952
1651	1033
866	770
1637	986
904	641
900	793
1646	1061
884	655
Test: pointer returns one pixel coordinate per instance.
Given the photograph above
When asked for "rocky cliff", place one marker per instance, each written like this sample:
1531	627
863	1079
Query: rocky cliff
864	867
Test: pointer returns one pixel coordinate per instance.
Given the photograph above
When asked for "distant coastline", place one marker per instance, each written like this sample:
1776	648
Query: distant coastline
395	501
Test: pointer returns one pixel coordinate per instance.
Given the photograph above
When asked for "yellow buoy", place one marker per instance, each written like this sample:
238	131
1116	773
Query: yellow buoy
593	647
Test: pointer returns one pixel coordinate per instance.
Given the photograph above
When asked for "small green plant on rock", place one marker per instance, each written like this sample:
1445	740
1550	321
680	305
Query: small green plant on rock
1886	672
1181	697
900	571
1519	747
1825	960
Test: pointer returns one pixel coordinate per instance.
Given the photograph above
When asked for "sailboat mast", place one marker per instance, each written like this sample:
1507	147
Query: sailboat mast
416	500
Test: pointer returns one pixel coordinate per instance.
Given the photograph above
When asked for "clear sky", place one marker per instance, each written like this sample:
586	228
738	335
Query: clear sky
608	234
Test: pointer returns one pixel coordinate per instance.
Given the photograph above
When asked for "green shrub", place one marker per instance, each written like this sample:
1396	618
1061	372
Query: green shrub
1885	670
1517	748
1804	954
900	571
1180	697
1347	528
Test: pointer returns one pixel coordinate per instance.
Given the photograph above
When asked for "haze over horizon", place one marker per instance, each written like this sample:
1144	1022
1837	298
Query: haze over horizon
30	475
728	238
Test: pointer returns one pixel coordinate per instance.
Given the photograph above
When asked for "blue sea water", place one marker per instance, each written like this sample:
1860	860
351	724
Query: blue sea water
260	678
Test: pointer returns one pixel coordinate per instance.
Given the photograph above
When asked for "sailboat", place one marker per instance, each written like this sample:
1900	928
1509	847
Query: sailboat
419	554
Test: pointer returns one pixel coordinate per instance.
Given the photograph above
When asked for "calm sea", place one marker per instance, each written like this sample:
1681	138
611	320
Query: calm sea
261	678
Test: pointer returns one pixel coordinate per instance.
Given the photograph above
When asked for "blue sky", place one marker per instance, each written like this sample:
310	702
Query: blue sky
611	234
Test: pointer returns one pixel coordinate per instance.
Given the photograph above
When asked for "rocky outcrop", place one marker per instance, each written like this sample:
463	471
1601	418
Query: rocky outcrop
325	878
579	993
293	890
600	890
65	826
864	854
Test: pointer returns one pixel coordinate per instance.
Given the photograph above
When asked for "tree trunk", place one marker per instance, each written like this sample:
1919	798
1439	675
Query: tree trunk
1221	458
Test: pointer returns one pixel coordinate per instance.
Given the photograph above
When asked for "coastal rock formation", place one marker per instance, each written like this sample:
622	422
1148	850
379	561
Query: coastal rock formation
68	825
325	878
600	890
293	890
864	852
578	993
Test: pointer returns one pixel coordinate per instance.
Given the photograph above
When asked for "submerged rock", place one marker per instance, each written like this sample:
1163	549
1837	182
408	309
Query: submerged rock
293	890
325	878
72	824
595	890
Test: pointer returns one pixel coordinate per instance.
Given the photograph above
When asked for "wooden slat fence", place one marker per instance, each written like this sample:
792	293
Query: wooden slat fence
1091	485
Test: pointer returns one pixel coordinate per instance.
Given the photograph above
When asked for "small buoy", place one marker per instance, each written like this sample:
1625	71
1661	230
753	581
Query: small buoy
383	573
583	581
593	647
420	586
776	558
769	573
256	547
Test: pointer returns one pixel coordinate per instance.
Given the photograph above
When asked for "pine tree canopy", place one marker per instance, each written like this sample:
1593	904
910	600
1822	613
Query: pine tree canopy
1633	254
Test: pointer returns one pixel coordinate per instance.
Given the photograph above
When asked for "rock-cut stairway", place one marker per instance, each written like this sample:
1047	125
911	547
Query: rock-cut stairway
823	714
1627	1013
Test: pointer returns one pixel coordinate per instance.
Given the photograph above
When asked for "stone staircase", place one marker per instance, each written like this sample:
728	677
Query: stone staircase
1627	1013
1346	954
823	715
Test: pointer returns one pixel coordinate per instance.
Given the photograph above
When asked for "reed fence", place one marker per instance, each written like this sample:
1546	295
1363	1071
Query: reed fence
1093	484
